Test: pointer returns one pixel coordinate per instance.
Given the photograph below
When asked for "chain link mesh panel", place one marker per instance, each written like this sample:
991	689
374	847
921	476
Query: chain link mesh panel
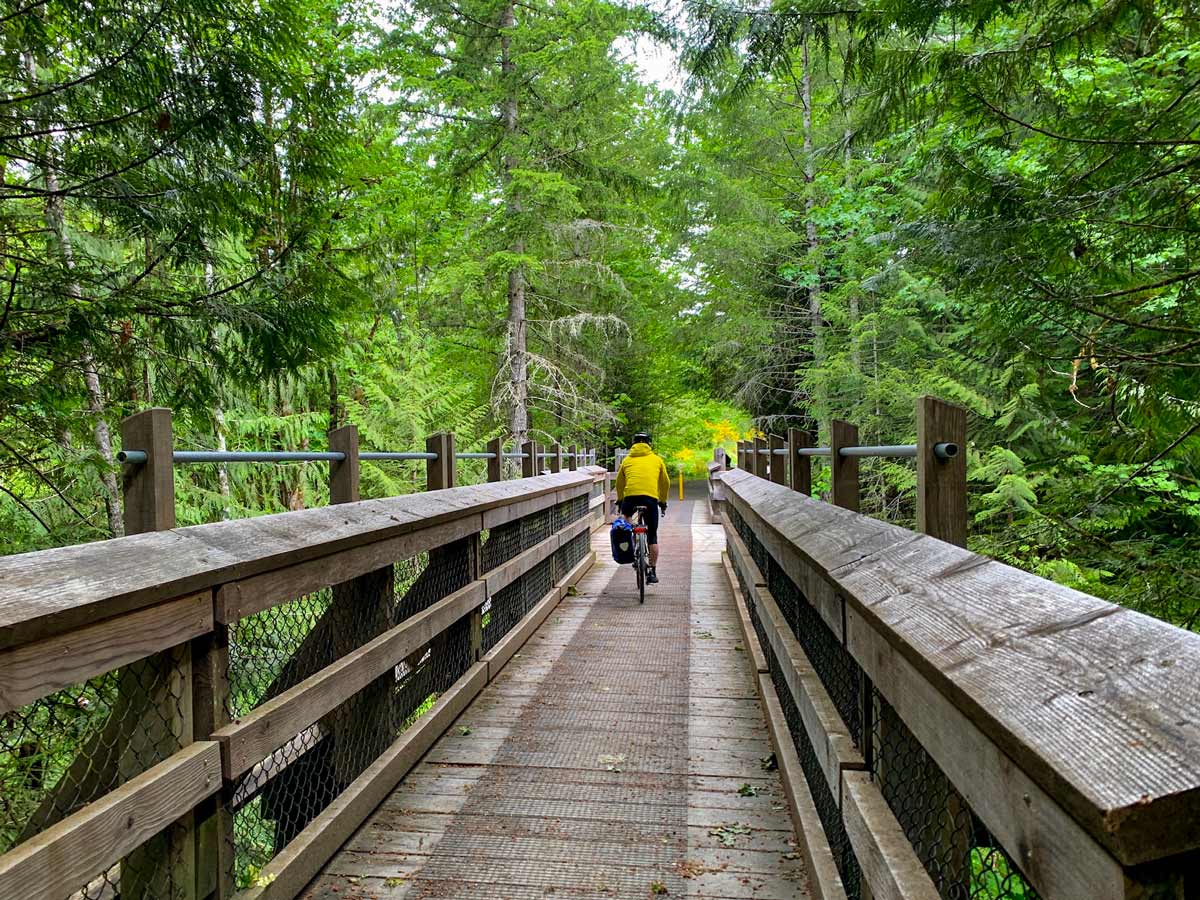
278	648
839	673
568	556
500	544
961	856
71	748
502	612
536	527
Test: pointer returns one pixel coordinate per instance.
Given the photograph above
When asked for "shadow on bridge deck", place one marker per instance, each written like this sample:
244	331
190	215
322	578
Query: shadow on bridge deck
618	755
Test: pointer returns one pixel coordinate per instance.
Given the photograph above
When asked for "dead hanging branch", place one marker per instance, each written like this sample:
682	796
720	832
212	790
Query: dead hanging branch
575	327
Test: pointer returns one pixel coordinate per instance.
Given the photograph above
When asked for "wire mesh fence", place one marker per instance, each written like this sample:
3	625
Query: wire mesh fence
962	858
960	855
70	748
280	647
839	673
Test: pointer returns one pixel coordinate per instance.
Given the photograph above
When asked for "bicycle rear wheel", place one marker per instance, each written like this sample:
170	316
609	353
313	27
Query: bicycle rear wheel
641	579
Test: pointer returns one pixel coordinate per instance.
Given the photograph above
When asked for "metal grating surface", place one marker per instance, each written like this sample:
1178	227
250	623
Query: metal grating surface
606	761
562	739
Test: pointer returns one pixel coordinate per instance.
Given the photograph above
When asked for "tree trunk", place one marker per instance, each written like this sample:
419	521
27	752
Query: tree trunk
516	350
210	285
55	216
855	349
810	202
336	412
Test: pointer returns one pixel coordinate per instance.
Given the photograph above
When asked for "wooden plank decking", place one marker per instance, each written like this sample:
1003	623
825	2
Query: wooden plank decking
618	755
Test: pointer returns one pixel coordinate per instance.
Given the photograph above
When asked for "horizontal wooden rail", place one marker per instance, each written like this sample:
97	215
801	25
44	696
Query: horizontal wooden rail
42	667
244	597
53	591
1054	714
57	862
256	735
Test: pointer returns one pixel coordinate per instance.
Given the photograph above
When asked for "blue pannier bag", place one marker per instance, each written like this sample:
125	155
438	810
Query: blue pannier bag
621	537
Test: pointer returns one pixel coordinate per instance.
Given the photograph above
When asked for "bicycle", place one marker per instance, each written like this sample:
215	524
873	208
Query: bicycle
641	551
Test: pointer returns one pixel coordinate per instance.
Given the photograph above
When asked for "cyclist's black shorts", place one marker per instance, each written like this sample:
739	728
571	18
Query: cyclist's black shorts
629	506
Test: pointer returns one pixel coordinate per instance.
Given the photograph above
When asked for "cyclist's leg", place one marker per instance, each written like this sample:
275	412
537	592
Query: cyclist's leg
652	534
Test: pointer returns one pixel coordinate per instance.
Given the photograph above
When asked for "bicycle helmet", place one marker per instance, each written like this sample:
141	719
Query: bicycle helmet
642	437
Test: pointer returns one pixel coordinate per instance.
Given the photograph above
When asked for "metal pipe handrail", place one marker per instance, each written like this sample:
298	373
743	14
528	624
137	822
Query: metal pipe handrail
399	455
141	457
942	450
880	450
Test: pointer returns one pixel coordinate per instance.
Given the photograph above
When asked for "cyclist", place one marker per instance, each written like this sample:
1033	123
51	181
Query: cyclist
642	480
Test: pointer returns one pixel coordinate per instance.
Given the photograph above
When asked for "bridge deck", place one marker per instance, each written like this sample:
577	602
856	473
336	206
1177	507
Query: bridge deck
618	755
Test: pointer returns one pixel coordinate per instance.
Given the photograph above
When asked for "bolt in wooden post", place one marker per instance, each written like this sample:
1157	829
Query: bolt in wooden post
941	483
495	465
556	458
779	464
343	476
800	467
439	473
845	469
573	456
529	463
761	459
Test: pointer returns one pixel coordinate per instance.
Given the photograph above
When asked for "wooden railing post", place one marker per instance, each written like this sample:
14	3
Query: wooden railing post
439	473
941	483
149	488
148	491
343	476
761	460
800	467
844	468
778	462
556	458
942	513
529	463
495	465
573	456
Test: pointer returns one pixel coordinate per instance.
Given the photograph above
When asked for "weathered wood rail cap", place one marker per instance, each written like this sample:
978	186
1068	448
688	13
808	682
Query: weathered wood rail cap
47	592
1098	704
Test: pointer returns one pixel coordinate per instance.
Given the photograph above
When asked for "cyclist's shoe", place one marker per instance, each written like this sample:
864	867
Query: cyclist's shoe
651	577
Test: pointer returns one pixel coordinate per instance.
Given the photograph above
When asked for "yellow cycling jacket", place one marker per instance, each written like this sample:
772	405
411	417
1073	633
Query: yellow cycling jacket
643	474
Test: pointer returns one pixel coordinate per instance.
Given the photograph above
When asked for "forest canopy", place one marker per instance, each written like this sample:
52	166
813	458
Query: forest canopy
564	220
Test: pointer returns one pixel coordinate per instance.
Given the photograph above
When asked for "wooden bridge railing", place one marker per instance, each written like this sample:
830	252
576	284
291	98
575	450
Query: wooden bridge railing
210	711
956	728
